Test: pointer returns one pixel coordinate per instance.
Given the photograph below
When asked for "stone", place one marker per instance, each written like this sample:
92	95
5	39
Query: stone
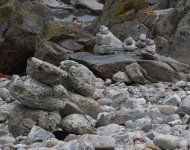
80	78
121	77
35	94
135	74
38	134
141	43
78	124
5	111
51	52
72	45
105	66
106	42
180	43
110	130
4	93
86	146
6	139
184	107
166	142
129	44
80	105
167	109
105	101
22	119
173	100
99	142
45	72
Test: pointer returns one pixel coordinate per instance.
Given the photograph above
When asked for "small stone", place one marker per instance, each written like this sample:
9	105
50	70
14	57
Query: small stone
175	122
166	142
121	77
99	142
184	107
167	109
4	93
108	82
38	134
173	100
105	101
140	101
110	130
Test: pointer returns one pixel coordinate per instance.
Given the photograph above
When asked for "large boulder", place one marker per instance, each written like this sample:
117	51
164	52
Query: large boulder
45	72
181	43
163	69
22	119
35	94
80	78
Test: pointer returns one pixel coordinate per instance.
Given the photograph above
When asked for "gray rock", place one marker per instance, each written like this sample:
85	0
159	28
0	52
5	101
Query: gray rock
72	45
80	78
45	72
121	77
5	111
4	93
81	105
173	100
184	107
38	134
110	130
99	142
78	124
166	142
105	101
134	72
86	146
34	94
22	119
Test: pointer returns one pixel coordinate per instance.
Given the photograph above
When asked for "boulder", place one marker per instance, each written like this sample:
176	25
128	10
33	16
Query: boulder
78	124
121	77
35	94
181	44
80	78
51	52
22	119
45	72
107	65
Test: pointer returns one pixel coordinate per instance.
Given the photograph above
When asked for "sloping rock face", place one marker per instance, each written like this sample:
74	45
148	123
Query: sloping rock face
165	21
163	69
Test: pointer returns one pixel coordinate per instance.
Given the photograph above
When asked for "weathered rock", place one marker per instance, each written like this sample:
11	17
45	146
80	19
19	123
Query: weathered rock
174	100
121	77
72	45
23	118
135	74
99	142
51	52
180	44
129	44
80	78
4	93
78	124
184	107
38	134
166	142
35	94
45	72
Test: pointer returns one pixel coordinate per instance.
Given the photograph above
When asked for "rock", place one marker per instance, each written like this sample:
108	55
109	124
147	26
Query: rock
110	130
184	107
180	43
72	45
135	74
6	139
173	100
166	142
38	134
5	111
106	42
22	119
105	101
107	65
35	94
92	5
78	124
99	142
51	52
121	77
129	44
86	146
80	78
45	72
141	43
167	109
4	93
81	105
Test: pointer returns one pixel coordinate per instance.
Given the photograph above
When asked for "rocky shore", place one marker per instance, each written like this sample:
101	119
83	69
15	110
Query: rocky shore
118	82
